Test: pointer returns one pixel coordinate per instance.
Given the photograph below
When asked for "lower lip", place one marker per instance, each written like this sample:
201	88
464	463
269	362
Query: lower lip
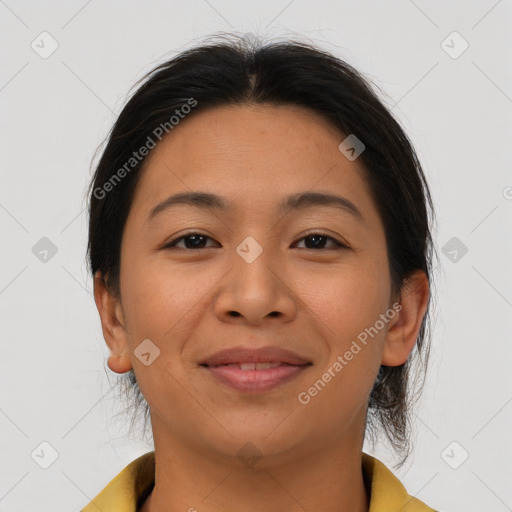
253	381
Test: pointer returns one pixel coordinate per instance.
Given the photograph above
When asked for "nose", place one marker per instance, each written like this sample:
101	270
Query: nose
255	293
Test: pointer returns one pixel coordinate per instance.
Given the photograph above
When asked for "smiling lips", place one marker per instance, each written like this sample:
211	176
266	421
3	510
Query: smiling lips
255	370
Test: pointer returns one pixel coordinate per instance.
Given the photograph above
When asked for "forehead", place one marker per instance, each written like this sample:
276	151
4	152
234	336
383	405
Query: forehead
252	154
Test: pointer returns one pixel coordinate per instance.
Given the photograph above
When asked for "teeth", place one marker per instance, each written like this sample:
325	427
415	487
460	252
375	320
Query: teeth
267	366
256	366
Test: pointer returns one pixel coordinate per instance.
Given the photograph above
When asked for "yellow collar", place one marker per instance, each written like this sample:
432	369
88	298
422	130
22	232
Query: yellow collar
132	485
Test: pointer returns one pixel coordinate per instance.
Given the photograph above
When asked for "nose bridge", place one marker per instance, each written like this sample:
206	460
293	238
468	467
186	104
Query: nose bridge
254	286
253	264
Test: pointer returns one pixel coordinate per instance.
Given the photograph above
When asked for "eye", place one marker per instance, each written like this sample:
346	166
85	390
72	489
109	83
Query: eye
317	241
192	241
196	241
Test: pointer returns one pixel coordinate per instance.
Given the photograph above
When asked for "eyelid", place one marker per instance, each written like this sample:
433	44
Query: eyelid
338	244
176	239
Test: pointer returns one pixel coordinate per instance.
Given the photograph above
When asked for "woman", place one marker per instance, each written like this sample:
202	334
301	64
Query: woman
261	251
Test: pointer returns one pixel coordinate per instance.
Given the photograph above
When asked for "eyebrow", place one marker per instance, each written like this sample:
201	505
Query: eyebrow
208	201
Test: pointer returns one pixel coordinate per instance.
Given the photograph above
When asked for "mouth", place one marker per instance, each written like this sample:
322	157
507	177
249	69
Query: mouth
251	366
255	370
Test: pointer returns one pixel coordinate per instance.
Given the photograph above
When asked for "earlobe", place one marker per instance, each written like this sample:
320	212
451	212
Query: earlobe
112	324
403	333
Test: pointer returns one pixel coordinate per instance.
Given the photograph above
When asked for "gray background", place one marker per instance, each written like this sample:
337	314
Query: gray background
55	111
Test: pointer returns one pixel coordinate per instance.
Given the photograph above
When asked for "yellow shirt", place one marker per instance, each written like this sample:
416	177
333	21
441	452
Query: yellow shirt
129	489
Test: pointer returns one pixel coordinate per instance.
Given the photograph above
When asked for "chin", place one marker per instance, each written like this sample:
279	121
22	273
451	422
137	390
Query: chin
267	443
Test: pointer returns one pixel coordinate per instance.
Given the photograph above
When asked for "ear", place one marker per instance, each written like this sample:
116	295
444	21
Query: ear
403	329
113	325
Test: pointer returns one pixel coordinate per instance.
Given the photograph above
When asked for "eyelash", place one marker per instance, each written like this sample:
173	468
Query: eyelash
173	243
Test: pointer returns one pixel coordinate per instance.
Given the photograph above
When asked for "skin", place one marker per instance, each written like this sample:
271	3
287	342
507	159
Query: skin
181	299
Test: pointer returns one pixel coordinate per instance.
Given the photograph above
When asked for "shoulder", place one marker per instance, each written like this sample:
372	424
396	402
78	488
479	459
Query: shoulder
386	491
126	490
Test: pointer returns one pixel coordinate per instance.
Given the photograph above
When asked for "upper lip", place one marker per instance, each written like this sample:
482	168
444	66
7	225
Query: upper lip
243	355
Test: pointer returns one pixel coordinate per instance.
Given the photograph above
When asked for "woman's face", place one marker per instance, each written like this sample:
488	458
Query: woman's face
256	276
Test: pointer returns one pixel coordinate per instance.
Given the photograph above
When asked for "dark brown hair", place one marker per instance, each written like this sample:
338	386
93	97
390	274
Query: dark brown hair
234	70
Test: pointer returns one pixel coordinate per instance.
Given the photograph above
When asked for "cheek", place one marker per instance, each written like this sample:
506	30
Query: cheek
336	398
346	300
161	300
159	306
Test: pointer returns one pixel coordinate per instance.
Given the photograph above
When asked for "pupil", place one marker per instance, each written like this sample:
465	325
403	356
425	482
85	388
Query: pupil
315	243
312	241
196	239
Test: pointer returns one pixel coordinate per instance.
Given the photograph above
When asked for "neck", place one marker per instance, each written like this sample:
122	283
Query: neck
327	479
